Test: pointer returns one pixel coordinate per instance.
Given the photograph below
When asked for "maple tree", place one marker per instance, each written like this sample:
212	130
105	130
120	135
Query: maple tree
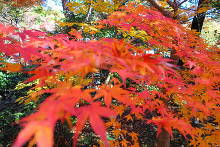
180	95
183	10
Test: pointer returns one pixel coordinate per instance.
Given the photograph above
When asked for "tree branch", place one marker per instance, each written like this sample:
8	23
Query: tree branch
173	5
161	9
179	4
88	13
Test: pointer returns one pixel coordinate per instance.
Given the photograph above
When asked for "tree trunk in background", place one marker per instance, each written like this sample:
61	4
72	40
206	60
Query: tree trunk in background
65	8
163	139
198	20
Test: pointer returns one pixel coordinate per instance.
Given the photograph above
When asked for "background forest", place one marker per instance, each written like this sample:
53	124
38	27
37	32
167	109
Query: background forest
25	89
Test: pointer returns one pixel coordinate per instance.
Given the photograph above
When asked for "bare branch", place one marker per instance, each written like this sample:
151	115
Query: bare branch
179	4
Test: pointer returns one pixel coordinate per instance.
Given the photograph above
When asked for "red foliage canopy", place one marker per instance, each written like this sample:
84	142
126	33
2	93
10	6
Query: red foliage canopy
182	93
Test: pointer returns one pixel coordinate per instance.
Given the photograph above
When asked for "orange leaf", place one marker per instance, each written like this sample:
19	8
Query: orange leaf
113	92
42	132
12	67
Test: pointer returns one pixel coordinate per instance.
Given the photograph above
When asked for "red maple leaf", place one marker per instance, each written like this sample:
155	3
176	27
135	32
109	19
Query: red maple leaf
93	113
170	123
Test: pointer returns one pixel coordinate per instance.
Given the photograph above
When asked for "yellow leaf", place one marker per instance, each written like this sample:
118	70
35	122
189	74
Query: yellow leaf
203	9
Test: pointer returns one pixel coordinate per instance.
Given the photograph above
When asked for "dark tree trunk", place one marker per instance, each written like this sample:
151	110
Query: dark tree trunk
198	20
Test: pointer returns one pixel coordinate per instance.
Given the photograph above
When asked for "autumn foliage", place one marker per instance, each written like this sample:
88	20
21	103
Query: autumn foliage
21	3
181	94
